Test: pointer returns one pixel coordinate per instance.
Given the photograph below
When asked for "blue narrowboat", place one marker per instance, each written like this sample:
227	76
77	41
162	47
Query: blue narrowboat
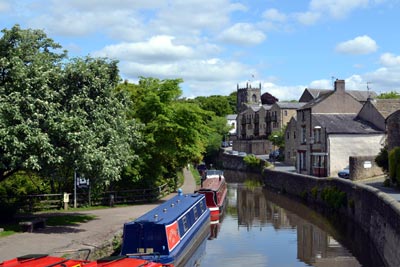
171	232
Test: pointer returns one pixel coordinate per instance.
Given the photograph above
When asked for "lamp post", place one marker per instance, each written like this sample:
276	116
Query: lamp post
273	151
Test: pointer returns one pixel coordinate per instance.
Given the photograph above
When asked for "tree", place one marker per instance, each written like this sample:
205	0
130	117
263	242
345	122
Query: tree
174	130
59	115
218	104
30	71
389	95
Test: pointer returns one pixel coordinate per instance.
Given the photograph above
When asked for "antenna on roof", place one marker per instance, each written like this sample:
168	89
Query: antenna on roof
369	93
333	78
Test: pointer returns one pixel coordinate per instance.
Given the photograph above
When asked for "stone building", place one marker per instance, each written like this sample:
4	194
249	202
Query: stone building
328	131
393	130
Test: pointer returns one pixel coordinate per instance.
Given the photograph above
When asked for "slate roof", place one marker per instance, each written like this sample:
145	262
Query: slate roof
344	124
317	100
290	105
359	95
386	106
231	116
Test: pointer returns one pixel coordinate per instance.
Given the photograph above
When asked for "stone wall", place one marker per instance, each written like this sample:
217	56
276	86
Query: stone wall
375	212
363	167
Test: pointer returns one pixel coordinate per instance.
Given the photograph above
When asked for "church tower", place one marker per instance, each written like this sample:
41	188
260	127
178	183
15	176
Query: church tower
247	96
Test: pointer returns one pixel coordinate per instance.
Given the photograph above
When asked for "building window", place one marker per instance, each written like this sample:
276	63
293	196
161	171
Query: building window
287	135
285	112
302	160
317	135
303	135
294	135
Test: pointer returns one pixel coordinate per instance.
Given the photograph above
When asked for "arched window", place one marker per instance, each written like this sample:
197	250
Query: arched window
254	98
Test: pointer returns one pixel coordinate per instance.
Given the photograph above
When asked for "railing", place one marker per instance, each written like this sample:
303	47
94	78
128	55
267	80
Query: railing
42	202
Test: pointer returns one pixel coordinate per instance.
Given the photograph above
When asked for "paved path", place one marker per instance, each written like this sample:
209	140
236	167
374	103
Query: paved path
55	240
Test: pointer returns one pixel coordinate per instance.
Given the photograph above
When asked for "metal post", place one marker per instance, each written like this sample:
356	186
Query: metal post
74	188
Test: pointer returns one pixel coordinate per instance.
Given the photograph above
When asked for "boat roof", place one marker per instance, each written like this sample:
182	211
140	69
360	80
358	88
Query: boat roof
213	183
214	172
167	212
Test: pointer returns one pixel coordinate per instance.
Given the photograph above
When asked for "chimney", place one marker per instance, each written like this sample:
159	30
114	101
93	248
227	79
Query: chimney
339	85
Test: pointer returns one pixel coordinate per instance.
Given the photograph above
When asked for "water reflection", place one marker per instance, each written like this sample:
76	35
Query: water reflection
263	228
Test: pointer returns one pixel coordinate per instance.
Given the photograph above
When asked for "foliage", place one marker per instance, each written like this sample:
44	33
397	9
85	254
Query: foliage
382	159
314	192
218	104
278	137
394	165
389	95
59	115
174	130
252	161
333	197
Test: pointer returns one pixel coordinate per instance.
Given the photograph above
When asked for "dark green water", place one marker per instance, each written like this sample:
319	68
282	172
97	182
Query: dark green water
263	228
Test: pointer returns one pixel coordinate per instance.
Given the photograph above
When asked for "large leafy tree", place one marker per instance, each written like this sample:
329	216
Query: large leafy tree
174	130
59	115
220	105
30	72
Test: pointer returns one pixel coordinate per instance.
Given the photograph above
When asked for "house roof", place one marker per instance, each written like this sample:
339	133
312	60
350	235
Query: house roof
290	105
231	116
344	124
315	101
359	95
386	106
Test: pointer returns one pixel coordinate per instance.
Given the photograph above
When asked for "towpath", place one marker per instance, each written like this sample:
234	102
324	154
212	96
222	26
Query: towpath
58	240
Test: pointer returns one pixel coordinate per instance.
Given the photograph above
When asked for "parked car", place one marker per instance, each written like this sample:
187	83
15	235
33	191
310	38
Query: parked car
345	173
242	154
225	144
230	143
234	152
274	155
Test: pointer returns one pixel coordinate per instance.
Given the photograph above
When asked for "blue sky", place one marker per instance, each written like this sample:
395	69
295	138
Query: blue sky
213	45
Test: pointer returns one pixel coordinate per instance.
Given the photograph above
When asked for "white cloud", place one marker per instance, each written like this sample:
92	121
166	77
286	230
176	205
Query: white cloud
4	6
157	49
308	18
321	84
283	93
360	45
390	60
243	34
274	15
337	8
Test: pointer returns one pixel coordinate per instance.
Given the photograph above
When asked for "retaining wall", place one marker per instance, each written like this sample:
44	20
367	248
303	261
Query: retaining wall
375	212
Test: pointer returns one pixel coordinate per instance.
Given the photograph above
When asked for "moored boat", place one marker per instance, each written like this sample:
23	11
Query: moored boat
170	233
43	260
214	187
39	260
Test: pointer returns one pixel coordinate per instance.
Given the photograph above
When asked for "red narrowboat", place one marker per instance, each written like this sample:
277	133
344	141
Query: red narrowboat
214	187
42	260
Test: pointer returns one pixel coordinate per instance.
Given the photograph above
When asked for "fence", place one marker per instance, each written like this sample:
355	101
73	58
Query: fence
41	202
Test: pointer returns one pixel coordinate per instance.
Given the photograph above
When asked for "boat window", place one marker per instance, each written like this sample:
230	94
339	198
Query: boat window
196	215
202	206
185	225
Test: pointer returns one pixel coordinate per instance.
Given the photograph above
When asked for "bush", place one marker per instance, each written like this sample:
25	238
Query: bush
252	161
394	165
333	197
382	159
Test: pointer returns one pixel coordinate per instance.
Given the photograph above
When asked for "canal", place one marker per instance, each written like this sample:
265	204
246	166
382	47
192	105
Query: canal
264	228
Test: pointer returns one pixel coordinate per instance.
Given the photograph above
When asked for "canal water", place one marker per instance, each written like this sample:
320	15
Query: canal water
264	228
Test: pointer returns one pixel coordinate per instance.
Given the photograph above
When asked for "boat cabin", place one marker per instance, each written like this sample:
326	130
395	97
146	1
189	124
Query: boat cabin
168	232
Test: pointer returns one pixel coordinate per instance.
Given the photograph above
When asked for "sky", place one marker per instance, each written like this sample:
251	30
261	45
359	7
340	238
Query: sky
216	45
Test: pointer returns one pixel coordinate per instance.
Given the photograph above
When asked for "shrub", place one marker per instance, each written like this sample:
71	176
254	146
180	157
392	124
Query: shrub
333	197
382	159
394	165
252	161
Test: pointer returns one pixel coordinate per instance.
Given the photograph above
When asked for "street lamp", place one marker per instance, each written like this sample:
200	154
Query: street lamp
273	151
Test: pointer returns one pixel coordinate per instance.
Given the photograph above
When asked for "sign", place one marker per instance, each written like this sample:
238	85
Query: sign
367	165
82	182
66	197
